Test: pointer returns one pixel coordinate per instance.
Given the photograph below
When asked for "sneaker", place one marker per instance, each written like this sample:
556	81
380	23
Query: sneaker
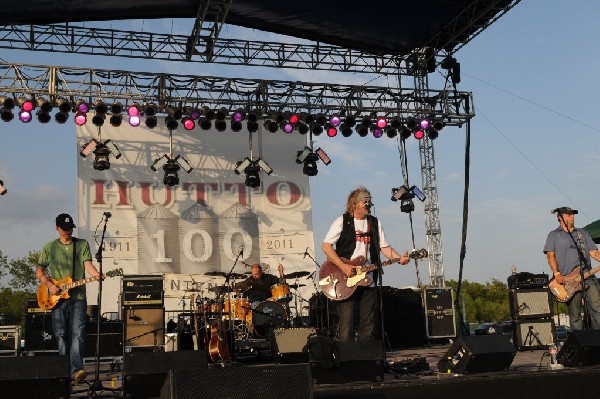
79	375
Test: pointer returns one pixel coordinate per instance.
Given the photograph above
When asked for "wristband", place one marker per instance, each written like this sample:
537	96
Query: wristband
556	273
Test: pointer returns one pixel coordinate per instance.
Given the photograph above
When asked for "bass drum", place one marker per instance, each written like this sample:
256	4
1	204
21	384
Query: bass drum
266	316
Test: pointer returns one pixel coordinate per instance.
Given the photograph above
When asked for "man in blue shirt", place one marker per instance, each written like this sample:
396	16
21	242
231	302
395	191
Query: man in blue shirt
562	251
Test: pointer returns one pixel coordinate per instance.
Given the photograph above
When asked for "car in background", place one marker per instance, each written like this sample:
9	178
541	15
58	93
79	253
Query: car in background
486	329
504	328
562	332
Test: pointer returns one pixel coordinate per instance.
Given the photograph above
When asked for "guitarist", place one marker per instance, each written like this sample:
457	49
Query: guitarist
353	234
562	249
67	256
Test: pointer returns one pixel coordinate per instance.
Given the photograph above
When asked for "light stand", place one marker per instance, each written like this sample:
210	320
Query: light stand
97	384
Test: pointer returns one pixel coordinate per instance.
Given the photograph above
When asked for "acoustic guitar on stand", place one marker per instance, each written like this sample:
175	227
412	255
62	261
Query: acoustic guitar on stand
572	284
47	301
337	286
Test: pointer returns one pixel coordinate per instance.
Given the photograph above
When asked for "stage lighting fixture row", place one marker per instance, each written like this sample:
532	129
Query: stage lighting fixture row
102	152
252	168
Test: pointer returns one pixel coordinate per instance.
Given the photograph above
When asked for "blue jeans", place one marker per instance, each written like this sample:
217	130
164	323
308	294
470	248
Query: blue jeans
592	297
68	324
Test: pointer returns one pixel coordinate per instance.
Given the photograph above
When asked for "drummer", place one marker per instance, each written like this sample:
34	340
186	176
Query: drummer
257	287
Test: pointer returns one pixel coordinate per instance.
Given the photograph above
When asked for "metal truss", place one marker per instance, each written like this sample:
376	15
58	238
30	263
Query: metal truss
199	47
217	8
34	81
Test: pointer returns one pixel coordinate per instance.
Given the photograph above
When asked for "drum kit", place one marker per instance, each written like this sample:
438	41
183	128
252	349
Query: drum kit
220	312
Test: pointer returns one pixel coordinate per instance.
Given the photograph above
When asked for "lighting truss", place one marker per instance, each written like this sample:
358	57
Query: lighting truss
232	93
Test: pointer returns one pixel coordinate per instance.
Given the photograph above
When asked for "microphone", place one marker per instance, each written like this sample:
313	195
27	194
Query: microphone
135	317
107	214
305	253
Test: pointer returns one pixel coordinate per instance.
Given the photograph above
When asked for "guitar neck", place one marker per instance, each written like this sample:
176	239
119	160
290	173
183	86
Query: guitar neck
79	282
591	272
369	268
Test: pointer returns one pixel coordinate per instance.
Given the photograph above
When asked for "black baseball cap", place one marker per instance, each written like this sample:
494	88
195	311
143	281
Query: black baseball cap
65	221
566	210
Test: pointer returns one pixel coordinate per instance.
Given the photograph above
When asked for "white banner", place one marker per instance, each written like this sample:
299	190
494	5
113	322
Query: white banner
198	226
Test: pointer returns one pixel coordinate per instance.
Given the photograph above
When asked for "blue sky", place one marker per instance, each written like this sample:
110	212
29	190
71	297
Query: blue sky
534	145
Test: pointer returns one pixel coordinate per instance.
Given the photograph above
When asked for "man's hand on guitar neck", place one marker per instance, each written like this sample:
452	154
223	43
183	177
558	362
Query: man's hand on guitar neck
54	289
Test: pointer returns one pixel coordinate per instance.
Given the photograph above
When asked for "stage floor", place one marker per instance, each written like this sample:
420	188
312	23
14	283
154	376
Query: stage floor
527	375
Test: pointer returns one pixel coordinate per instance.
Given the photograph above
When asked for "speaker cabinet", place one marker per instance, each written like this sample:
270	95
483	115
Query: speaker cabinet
289	381
144	373
287	344
358	361
530	303
38	333
478	354
144	327
439	311
35	377
582	348
534	333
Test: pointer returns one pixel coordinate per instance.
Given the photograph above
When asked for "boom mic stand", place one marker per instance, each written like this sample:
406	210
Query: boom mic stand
97	384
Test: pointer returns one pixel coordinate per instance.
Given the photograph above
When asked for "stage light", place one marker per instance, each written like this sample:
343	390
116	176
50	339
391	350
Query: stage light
195	114
44	105
404	132
310	158
438	124
411	123
171	123
419	134
362	130
252	126
159	163
82	107
80	118
377	132
346	130
294	118
238	116
331	131
302	128
134	120
133	110
432	134
221	114
350	121
174	112
366	122
335	120
424	123
151	122
171	170
64	105
316	129
116	120
150	109
116	108
251	169
7	102
252	176
395	123
101	151
188	123
253	116
309	119
88	148
390	132
26	105
98	119
43	117
310	165
236	126
61	117
220	125
100	107
205	124
287	127
241	166
101	160
321	119
183	163
381	122
6	114
302	154
25	116
3	189
271	126
264	166
208	113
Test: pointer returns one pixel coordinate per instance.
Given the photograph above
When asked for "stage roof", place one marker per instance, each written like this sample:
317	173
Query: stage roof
383	27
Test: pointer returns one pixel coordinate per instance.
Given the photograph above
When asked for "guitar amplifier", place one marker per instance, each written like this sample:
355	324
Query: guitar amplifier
527	280
33	307
142	298
142	283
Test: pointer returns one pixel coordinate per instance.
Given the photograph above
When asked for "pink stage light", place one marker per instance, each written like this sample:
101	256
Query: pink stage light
80	118
377	132
294	119
335	120
419	134
188	123
237	116
424	123
25	116
381	122
331	131
27	106
134	120
133	110
83	107
288	128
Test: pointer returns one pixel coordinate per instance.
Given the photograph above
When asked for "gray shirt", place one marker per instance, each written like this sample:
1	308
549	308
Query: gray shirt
565	248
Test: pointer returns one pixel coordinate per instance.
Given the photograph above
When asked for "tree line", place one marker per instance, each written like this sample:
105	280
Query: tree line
483	302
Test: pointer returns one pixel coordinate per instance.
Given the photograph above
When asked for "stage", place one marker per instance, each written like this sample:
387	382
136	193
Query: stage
407	373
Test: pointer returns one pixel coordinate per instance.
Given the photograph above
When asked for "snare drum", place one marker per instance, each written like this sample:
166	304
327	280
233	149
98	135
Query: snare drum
266	316
237	309
281	293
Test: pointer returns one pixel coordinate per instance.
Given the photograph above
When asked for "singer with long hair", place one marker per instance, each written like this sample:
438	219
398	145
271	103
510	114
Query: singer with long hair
353	234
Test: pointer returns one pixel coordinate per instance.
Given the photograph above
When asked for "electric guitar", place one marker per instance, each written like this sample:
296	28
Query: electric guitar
337	286
572	284
47	301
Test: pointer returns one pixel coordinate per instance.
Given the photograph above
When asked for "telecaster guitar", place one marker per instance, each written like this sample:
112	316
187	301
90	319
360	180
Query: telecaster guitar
47	301
572	284
337	286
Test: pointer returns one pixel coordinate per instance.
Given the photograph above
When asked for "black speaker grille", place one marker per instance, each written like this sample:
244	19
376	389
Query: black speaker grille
541	336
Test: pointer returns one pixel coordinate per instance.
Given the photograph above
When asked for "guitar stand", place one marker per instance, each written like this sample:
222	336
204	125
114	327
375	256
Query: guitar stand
532	336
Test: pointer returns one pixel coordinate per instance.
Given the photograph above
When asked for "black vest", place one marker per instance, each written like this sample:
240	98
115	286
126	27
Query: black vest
347	242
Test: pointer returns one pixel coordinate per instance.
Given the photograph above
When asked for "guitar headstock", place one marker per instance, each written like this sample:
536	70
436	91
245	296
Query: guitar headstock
418	254
115	272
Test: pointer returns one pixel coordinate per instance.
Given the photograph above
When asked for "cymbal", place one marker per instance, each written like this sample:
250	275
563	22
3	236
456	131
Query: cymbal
295	286
216	273
296	274
237	275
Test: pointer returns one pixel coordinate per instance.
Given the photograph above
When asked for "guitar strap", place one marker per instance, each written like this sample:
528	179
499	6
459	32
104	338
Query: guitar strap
369	240
74	256
581	245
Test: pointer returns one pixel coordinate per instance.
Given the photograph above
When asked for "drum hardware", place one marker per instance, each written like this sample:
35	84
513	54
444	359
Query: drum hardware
296	286
266	316
281	292
297	274
216	274
218	289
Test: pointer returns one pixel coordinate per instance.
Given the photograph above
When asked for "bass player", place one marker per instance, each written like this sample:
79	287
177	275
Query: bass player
562	249
67	256
353	234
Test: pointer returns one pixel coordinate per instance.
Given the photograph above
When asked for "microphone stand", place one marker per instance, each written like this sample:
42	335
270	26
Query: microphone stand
583	264
231	307
318	299
376	259
97	384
